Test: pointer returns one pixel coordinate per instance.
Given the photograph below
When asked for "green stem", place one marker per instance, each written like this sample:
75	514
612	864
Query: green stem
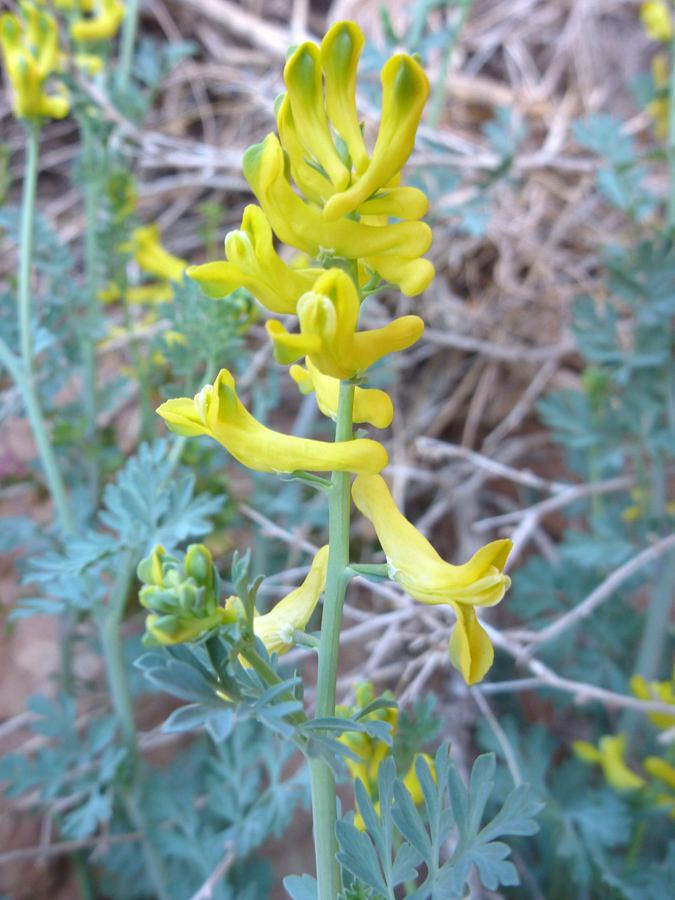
670	141
55	484
269	676
27	242
654	634
127	44
109	623
438	95
324	806
88	346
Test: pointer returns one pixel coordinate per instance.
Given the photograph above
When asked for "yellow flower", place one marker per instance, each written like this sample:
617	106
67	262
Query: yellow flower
340	52
30	51
275	629
393	251
302	75
370	405
659	768
656	690
414	564
152	257
103	24
657	20
329	315
659	110
253	263
610	754
218	412
405	90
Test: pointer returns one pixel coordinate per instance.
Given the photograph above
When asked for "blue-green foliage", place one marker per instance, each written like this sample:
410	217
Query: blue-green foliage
217	798
77	768
619	420
399	842
146	505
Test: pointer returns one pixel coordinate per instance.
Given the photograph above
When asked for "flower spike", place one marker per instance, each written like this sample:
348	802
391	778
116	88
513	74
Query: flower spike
414	564
218	412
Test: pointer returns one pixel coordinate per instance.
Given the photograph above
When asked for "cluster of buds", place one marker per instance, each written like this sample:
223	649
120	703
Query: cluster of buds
321	192
182	596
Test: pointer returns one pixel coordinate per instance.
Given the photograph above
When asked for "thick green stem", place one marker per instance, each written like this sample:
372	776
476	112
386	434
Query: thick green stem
88	343
127	44
324	806
27	239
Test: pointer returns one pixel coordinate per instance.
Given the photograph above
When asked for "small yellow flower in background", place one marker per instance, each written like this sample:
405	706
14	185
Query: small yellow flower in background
328	316
147	249
419	570
656	690
657	20
253	263
371	405
610	755
103	24
372	752
218	412
275	629
393	251
659	768
30	52
182	597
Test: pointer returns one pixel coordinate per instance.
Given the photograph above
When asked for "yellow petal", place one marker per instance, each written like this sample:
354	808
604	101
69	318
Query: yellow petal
218	412
152	257
303	226
659	768
328	317
253	263
340	52
414	564
585	751
405	90
402	203
313	183
411	780
275	628
302	75
417	567
470	648
655	690
657	20
101	26
618	774
370	405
